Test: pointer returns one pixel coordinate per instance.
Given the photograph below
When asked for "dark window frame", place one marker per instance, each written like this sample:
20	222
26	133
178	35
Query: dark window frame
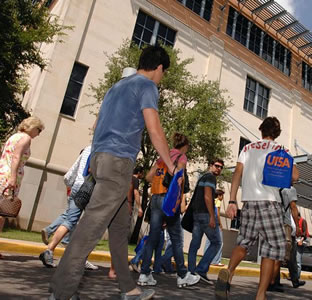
148	30
257	98
73	90
258	41
203	8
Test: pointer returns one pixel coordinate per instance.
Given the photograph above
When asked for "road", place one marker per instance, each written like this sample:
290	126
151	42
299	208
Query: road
23	277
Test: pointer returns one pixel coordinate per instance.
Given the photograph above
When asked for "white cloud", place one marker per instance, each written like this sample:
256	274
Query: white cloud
289	5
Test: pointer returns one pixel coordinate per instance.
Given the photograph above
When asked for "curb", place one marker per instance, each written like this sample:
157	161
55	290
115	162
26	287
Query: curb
31	248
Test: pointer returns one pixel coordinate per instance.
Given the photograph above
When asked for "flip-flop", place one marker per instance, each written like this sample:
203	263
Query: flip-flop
222	290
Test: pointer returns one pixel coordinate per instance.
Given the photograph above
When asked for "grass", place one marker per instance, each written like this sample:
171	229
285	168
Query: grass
32	236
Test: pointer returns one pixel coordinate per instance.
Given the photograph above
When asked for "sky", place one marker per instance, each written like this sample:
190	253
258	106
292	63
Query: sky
300	9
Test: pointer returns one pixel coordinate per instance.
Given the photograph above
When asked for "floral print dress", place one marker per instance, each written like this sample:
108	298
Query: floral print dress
6	160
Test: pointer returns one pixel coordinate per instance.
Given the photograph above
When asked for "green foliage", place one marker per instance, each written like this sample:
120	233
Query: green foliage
23	28
192	106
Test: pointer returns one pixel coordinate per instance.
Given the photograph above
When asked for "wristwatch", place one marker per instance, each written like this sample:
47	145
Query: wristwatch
232	202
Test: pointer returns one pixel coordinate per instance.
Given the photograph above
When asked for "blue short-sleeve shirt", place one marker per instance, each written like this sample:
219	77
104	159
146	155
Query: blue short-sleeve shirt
120	122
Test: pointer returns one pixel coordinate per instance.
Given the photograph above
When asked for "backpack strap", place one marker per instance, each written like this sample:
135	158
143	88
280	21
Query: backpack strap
281	195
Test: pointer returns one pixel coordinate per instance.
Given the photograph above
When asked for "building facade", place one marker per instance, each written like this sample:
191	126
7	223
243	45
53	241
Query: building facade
232	41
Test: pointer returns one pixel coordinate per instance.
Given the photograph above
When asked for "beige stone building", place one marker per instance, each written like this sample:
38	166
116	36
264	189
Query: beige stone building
256	51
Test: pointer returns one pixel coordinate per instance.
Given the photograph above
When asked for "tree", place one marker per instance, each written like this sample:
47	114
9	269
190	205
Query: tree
24	26
195	107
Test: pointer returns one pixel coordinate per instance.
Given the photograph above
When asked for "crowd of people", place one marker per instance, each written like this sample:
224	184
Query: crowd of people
267	216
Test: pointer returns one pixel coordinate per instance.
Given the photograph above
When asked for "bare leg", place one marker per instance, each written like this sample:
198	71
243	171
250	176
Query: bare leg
238	254
2	221
112	273
276	269
266	271
57	237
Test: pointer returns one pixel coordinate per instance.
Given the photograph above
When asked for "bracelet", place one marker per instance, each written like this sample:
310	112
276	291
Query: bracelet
232	202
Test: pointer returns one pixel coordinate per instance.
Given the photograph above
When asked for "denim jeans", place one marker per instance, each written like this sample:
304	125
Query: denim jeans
299	259
68	219
175	232
157	258
201	221
217	258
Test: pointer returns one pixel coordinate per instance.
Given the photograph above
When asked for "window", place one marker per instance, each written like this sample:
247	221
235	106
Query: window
256	98
47	3
201	7
259	42
306	76
73	90
242	143
147	30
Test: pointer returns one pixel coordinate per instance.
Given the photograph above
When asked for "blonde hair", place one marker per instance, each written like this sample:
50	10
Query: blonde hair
30	123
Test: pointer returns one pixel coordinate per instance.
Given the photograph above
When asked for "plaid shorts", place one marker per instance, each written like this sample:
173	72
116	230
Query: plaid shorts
263	219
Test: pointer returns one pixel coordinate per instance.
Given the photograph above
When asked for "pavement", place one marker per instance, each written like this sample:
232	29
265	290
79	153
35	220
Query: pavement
34	249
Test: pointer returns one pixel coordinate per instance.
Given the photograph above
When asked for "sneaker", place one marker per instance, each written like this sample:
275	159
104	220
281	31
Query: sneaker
218	265
222	290
204	278
145	295
135	267
146	280
298	283
74	297
188	280
90	266
44	236
47	258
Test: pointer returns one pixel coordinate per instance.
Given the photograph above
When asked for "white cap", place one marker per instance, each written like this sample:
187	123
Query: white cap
128	72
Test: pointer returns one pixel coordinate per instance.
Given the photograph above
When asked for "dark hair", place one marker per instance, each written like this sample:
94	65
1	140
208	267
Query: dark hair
179	140
153	56
138	169
219	192
270	127
214	160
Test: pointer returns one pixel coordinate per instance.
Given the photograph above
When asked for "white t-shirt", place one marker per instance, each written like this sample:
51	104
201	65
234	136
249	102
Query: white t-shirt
253	157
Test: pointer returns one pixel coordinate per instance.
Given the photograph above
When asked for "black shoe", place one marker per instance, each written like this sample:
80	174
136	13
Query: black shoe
204	278
275	288
298	283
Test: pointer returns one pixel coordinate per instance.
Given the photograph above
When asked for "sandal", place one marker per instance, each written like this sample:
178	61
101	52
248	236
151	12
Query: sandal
222	289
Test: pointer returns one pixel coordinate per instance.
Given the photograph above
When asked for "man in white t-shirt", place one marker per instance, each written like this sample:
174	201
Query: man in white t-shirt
261	214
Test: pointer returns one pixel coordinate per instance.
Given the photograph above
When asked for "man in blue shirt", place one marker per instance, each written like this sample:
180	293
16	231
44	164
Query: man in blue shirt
127	107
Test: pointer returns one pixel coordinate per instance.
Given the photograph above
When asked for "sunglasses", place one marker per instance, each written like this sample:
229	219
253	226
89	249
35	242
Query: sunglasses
39	129
218	166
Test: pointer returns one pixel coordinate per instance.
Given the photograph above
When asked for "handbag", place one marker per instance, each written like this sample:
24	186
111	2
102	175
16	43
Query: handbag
168	177
277	170
171	202
148	212
9	205
82	197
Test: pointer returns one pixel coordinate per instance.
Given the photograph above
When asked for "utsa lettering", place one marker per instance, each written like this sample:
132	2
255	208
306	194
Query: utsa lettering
160	171
278	161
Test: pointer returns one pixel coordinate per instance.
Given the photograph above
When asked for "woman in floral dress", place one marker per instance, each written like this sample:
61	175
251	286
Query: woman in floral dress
16	152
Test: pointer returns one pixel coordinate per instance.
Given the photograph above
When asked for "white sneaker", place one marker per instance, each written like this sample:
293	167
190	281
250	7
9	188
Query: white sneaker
188	280
90	266
146	280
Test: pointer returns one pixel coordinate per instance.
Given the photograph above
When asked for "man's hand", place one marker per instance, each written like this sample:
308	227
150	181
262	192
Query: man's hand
140	212
231	211
212	222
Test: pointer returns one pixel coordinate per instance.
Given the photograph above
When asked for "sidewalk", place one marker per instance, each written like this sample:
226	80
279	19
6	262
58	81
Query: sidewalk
33	248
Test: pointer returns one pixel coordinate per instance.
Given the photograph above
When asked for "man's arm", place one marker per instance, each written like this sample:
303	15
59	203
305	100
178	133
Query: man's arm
295	173
138	202
157	136
232	207
209	205
151	173
294	213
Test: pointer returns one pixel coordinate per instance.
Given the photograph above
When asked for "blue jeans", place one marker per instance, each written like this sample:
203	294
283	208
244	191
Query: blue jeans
68	219
299	259
175	232
135	260
201	221
217	258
